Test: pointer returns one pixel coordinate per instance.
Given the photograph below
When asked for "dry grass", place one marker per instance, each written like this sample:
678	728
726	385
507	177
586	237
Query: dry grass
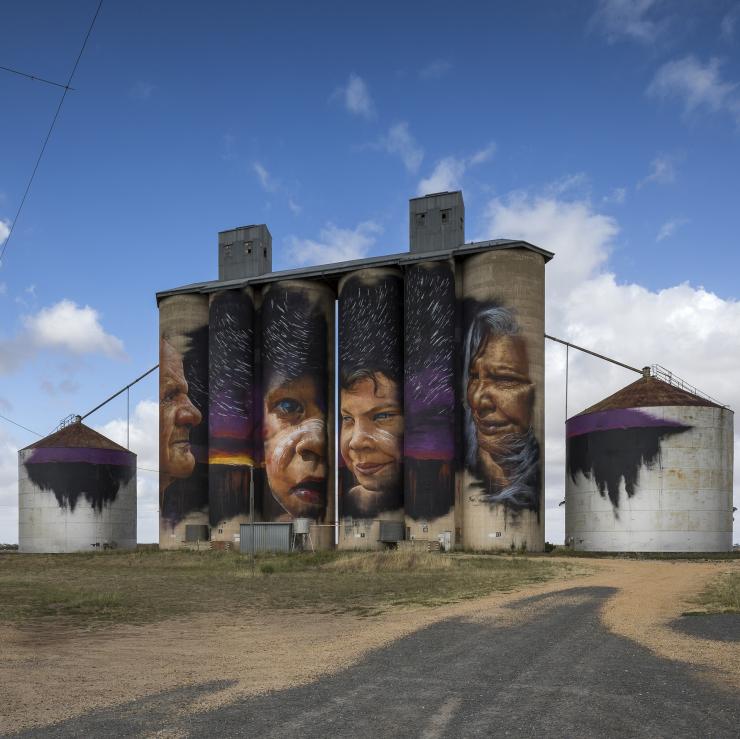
92	590
722	595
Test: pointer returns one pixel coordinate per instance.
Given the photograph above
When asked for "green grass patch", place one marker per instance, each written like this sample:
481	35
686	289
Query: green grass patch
722	595
94	589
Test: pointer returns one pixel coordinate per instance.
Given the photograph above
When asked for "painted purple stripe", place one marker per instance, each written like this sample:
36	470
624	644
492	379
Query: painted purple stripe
85	454
618	418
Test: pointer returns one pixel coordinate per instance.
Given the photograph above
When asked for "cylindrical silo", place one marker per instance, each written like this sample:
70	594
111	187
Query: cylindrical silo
429	397
297	387
649	469
371	408
77	493
183	421
231	411
501	497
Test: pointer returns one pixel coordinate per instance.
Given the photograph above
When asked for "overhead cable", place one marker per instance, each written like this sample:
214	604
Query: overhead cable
35	78
48	135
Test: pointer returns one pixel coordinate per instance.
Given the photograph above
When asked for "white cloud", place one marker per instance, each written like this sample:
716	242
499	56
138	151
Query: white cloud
4	230
356	97
267	182
669	228
295	209
448	172
3	288
67	386
728	23
144	442
688	329
335	244
662	172
618	195
630	19
698	85
435	69
568	183
399	141
9	446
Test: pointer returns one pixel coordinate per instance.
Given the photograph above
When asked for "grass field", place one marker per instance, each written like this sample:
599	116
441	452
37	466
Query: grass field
722	595
92	590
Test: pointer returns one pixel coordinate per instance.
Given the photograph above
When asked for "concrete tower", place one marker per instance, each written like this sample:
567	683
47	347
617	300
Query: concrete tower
437	222
244	252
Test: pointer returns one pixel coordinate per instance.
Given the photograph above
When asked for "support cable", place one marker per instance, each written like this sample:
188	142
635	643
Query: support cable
35	78
122	390
594	354
48	135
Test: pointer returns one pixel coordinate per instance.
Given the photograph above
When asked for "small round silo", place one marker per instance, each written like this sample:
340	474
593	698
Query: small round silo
649	469
77	493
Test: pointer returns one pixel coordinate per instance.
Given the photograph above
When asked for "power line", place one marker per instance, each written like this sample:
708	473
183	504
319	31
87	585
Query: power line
19	425
35	78
51	128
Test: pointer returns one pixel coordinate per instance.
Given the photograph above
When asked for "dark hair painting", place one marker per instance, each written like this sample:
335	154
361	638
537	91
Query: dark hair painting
231	418
429	390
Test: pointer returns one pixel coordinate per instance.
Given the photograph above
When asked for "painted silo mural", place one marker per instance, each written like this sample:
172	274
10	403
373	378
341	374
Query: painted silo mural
77	492
297	354
371	404
502	389
183	419
231	411
430	400
650	469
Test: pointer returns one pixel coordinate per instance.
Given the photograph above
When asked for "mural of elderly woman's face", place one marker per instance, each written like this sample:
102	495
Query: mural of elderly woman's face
295	447
371	438
500	392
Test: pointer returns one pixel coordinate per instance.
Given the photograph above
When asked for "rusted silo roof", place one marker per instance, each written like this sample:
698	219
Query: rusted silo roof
76	436
649	392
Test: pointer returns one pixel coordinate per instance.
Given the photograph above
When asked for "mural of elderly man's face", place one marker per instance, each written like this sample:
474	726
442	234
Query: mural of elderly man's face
295	447
500	393
177	415
371	439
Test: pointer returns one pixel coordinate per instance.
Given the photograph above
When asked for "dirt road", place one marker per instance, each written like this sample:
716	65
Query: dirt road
216	662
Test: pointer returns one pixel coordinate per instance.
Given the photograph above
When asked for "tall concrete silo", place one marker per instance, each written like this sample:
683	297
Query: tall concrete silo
297	406
77	493
649	469
183	421
503	395
371	408
429	396
232	426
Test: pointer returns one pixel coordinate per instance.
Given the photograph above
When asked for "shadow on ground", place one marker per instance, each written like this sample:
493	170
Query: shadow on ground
558	674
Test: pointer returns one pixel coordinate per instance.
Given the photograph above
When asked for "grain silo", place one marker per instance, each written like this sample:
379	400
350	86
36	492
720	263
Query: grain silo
503	389
649	469
77	493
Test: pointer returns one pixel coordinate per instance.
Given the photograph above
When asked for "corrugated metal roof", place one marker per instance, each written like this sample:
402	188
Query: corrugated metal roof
649	392
332	272
76	436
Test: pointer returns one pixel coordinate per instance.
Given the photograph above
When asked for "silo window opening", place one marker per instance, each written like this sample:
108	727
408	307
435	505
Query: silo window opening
264	252
420	219
445	213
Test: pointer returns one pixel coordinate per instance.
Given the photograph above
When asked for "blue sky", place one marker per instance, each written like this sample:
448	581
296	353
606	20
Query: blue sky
606	131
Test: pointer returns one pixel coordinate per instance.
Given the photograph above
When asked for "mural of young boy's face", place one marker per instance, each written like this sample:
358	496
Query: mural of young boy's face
371	439
295	447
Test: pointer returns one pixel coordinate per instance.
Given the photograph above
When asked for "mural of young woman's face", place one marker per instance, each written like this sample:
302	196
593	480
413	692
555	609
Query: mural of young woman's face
372	433
177	415
500	392
295	447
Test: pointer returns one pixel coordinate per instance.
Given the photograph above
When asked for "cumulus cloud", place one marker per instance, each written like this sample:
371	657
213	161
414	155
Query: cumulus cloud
144	442
448	172
435	69
728	23
3	288
669	228
618	195
266	181
627	19
399	141
662	172
9	445
335	244
295	209
64	327
356	97
72	328
698	85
